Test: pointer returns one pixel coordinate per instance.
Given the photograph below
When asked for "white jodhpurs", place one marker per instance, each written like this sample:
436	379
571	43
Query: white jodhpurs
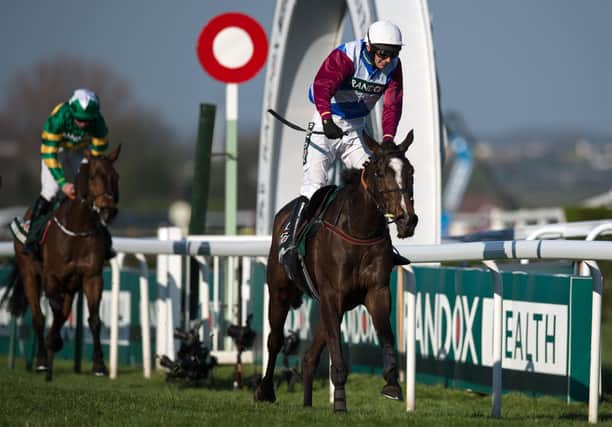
70	161
321	152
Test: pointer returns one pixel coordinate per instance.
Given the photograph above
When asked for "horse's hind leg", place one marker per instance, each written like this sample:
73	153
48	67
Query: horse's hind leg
310	363
331	318
378	303
277	314
93	291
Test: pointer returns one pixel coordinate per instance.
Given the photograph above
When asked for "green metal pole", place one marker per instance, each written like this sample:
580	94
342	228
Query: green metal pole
201	171
199	194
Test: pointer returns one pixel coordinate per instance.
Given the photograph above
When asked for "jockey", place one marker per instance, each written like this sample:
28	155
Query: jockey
71	127
348	84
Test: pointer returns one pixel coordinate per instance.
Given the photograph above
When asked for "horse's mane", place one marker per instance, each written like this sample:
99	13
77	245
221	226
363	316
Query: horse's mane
351	177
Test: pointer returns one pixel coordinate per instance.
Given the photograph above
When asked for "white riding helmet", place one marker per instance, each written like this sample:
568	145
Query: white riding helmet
384	33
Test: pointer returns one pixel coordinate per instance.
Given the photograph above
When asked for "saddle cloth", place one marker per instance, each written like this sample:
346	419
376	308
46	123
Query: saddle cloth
310	222
313	215
20	228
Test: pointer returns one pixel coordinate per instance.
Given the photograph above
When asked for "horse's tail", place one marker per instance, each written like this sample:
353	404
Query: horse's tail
14	293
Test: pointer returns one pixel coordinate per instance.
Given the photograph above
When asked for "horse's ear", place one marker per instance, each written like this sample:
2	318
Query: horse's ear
407	141
113	156
372	145
87	154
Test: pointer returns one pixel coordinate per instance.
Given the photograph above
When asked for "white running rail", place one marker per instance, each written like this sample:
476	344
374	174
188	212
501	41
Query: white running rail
474	251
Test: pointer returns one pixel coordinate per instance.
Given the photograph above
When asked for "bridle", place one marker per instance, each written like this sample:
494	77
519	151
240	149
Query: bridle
380	204
103	194
90	200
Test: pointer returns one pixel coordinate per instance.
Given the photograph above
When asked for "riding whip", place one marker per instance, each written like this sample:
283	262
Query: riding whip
294	126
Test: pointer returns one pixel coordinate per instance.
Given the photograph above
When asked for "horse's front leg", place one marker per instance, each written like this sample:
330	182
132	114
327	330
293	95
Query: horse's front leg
310	363
277	314
92	286
378	303
61	304
331	317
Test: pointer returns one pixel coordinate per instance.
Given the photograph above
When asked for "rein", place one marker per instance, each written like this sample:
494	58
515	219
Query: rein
347	237
91	202
92	206
353	240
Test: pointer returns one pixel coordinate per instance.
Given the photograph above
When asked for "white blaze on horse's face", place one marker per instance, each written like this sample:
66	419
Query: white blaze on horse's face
397	166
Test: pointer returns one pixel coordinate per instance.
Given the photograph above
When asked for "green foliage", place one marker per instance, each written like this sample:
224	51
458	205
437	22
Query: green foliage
580	213
156	163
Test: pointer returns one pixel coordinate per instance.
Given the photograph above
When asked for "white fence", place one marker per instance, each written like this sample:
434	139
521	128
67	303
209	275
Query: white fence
487	252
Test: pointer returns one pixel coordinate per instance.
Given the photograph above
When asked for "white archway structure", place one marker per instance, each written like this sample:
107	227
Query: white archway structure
303	33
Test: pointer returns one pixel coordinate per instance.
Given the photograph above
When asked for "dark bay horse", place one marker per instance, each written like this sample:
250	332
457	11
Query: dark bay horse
349	259
72	258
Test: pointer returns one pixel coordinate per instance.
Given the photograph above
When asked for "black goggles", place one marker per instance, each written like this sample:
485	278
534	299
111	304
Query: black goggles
384	54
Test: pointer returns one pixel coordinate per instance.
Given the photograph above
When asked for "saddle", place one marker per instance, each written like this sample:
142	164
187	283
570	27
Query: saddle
313	214
310	221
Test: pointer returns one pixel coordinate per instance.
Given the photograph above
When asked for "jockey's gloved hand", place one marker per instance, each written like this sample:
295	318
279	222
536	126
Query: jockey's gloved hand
332	131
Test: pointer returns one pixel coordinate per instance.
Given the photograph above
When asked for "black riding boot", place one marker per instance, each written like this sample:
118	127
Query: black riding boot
109	252
41	207
287	251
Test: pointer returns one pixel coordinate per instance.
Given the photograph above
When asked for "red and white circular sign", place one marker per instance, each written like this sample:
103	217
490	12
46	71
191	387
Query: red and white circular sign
232	47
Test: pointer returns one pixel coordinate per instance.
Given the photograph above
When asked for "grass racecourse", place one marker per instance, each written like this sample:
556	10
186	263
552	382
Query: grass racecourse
81	399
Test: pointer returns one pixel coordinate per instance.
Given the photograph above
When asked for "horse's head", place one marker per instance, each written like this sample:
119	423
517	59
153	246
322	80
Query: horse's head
389	177
98	184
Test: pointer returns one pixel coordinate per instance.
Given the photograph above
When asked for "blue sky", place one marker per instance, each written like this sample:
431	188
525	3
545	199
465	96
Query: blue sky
504	65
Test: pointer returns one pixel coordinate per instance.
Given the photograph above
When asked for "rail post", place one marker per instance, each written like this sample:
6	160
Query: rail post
498	311
410	339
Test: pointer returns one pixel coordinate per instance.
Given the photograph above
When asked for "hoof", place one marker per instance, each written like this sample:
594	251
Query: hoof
99	370
392	391
340	407
261	395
